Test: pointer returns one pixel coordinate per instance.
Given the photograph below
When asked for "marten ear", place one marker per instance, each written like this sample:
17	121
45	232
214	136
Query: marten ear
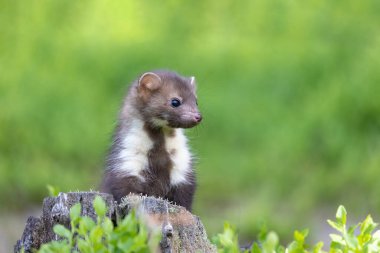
193	84
150	81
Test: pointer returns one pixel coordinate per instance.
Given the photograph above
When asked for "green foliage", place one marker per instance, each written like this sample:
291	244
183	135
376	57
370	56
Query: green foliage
228	240
89	236
346	241
366	241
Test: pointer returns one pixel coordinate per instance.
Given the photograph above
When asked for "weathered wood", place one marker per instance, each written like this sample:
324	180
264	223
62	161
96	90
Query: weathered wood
181	230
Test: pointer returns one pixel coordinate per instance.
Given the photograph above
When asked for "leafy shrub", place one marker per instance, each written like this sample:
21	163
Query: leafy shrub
88	236
357	239
130	235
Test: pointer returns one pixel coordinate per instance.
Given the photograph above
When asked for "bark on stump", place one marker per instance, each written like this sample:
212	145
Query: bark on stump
181	230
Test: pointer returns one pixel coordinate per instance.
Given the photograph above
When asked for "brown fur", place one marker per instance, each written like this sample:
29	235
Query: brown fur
149	99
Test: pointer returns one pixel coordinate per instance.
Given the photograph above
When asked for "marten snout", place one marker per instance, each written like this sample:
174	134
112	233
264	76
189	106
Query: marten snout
186	118
197	117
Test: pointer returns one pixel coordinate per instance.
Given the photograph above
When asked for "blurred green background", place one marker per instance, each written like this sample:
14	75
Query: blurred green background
289	91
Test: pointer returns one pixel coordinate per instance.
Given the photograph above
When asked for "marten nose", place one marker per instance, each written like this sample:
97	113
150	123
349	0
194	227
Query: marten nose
198	117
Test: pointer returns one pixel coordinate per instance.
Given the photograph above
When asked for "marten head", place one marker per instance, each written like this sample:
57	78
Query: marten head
166	99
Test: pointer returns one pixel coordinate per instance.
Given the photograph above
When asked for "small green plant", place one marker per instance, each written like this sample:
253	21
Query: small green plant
228	240
52	190
89	236
366	240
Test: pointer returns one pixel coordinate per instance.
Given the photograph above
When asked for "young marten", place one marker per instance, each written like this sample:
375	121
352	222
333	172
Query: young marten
149	153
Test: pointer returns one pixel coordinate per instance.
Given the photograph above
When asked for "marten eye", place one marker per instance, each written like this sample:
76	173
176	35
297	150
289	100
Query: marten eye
175	102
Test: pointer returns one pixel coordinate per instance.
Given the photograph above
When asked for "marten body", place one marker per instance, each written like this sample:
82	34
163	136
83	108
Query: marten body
149	153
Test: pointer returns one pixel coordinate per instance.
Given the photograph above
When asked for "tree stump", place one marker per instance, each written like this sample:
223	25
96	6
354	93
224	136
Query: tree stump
181	230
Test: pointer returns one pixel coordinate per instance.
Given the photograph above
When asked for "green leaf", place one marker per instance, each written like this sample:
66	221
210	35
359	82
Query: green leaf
336	248
351	240
341	215
300	236
293	247
271	242
100	206
227	240
367	226
125	245
337	239
255	248
335	225
86	225
75	211
305	232
281	249
96	235
107	226
84	246
62	231
53	191
263	232
351	230
56	247
318	247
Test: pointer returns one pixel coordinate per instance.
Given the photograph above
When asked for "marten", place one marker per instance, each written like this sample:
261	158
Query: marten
149	154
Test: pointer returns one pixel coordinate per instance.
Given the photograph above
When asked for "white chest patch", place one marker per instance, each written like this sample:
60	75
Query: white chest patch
180	155
136	146
134	155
